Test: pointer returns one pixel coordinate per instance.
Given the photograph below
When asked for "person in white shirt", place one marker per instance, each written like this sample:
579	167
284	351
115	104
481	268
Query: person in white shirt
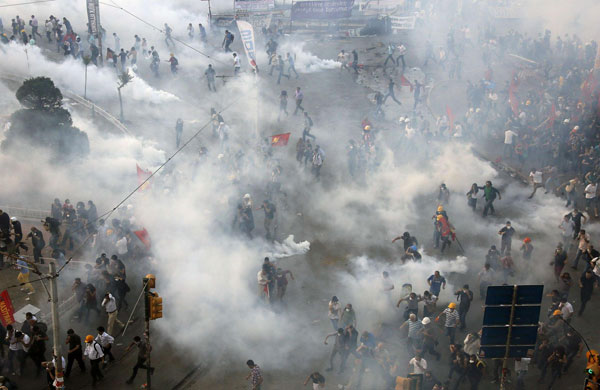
566	309
591	199
567	227
106	341
335	310
23	342
236	65
486	278
110	305
14	349
521	367
93	351
263	284
418	364
536	179
509	149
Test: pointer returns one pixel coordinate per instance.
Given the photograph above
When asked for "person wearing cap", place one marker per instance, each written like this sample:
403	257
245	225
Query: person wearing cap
526	248
93	351
452	321
408	240
506	234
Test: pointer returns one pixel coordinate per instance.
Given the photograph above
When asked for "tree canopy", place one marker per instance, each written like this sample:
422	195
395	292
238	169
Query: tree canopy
44	122
39	93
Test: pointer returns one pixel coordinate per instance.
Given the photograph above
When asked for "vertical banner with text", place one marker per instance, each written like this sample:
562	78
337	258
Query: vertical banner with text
6	309
247	34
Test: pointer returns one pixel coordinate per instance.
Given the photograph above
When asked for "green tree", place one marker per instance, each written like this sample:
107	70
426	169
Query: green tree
44	123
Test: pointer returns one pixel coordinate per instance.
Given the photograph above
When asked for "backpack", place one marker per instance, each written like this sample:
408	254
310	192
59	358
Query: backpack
231	36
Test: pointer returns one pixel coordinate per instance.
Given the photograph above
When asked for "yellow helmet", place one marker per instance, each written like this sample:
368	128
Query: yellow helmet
89	338
440	208
367	128
557	313
452	305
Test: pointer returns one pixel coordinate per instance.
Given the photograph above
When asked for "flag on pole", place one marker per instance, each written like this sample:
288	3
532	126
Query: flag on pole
143	175
450	115
247	34
512	99
280	139
552	116
6	309
404	82
144	237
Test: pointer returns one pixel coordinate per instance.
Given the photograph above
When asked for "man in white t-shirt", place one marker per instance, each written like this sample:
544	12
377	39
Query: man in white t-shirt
567	309
591	200
521	367
418	365
509	136
536	179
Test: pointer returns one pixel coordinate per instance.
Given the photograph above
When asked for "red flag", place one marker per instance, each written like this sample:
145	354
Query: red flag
142	174
588	87
404	81
512	99
552	116
144	237
6	309
280	139
450	119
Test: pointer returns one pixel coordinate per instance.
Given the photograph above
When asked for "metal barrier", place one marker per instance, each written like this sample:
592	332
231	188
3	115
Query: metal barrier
25	213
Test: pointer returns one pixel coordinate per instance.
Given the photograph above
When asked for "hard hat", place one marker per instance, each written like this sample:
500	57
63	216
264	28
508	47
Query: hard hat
401	119
440	208
528	102
426	321
13	219
439	217
557	313
367	128
452	305
527	240
89	338
247	196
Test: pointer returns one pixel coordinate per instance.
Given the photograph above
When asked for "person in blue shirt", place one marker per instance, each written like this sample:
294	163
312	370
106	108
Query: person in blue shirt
23	276
436	283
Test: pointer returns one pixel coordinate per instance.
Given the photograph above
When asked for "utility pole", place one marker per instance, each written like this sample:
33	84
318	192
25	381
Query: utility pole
56	328
153	305
147	284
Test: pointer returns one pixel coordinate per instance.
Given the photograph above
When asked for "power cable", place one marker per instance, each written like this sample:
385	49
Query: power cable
30	2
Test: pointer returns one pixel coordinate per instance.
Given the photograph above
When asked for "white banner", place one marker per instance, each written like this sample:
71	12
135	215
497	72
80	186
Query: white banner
254	5
247	34
93	11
